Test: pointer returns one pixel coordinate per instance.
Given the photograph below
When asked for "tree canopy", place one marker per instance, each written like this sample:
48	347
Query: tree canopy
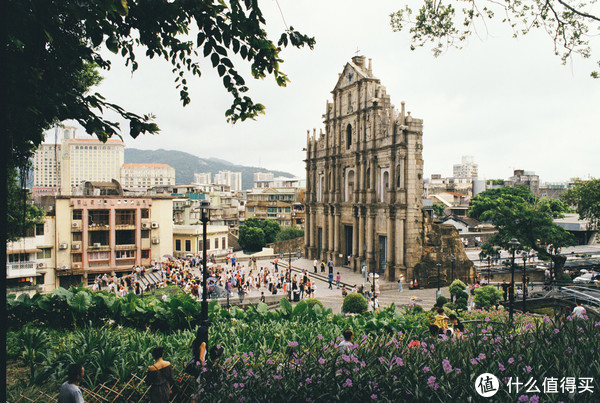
518	213
268	232
22	214
569	23
291	232
50	43
585	195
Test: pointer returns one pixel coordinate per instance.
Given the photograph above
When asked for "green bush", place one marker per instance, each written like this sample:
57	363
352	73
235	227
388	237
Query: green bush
487	296
441	301
456	287
313	301
564	278
354	303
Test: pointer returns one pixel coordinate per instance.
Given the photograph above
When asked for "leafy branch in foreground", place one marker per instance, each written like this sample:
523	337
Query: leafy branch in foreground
569	23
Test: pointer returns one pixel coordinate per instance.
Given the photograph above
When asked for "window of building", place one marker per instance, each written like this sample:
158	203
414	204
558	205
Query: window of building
188	245
223	245
125	254
46	253
216	243
125	237
145	254
145	213
145	234
348	136
77	258
178	244
77	236
96	256
39	229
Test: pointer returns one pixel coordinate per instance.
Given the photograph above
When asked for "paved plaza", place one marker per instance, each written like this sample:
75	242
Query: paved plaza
333	298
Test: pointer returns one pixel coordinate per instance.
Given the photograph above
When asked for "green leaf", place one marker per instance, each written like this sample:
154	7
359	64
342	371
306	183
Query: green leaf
81	301
300	308
262	308
286	307
112	44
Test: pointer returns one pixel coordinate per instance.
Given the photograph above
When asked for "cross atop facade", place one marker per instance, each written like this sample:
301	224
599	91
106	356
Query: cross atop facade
357	51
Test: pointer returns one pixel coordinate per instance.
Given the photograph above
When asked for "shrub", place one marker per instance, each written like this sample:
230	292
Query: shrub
417	309
456	287
354	303
313	301
564	278
487	297
441	300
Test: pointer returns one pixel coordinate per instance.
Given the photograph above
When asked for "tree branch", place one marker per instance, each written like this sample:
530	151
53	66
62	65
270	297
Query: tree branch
582	14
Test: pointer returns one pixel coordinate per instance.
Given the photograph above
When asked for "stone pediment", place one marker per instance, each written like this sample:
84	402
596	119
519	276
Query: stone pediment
350	75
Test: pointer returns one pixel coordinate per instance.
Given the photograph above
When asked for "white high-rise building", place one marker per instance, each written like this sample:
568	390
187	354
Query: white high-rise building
63	167
466	169
263	176
202	178
232	179
143	176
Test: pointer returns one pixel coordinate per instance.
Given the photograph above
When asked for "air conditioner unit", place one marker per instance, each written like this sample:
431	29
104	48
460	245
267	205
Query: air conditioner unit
97	245
77	265
75	225
41	265
145	225
155	241
63	245
154	225
75	246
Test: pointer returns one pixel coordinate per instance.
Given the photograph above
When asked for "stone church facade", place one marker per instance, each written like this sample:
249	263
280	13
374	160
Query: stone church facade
365	179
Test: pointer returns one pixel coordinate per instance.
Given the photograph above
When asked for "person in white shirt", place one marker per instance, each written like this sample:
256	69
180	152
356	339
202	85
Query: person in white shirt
315	264
579	311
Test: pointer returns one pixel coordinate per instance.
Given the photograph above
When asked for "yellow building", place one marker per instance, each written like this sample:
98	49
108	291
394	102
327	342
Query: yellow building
187	240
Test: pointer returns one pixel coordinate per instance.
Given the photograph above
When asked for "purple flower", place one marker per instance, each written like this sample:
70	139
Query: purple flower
556	331
319	336
241	385
473	361
511	360
523	398
447	366
348	383
501	367
308	380
269	351
481	356
321	361
431	381
527	369
292	343
346	357
381	360
487	319
534	399
458	370
569	350
235	385
270	362
425	369
373	396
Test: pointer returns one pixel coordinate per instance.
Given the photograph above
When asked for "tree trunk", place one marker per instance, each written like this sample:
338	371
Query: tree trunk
558	265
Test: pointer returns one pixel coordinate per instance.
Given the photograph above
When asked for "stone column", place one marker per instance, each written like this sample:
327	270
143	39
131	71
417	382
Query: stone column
370	240
336	236
361	236
400	242
307	230
330	232
391	274
355	231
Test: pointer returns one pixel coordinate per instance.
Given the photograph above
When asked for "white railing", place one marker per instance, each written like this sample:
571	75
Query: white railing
21	269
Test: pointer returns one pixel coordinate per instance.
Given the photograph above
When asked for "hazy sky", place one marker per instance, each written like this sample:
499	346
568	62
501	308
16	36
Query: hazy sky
507	102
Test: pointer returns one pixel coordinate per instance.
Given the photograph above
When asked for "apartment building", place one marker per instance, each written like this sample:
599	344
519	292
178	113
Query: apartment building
141	177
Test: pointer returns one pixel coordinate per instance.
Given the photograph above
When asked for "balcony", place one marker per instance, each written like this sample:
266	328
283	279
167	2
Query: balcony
21	269
98	227
125	247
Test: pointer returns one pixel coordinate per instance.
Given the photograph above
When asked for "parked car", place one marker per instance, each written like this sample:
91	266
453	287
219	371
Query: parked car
587	278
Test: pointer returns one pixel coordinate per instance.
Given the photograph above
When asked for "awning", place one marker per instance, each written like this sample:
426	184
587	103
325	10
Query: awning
15	251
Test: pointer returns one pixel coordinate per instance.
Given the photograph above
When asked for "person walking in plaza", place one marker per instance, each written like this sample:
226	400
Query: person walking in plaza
330	279
69	391
159	377
322	266
330	264
315	264
400	281
338	279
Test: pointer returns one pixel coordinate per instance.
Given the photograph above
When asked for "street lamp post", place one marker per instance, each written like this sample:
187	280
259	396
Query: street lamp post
489	267
513	246
438	292
524	255
204	218
452	260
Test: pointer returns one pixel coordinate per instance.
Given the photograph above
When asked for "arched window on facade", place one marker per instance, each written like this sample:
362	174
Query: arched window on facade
368	179
399	174
349	188
348	136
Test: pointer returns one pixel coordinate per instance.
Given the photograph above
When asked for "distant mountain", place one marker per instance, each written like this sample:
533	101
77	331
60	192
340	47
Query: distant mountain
186	165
